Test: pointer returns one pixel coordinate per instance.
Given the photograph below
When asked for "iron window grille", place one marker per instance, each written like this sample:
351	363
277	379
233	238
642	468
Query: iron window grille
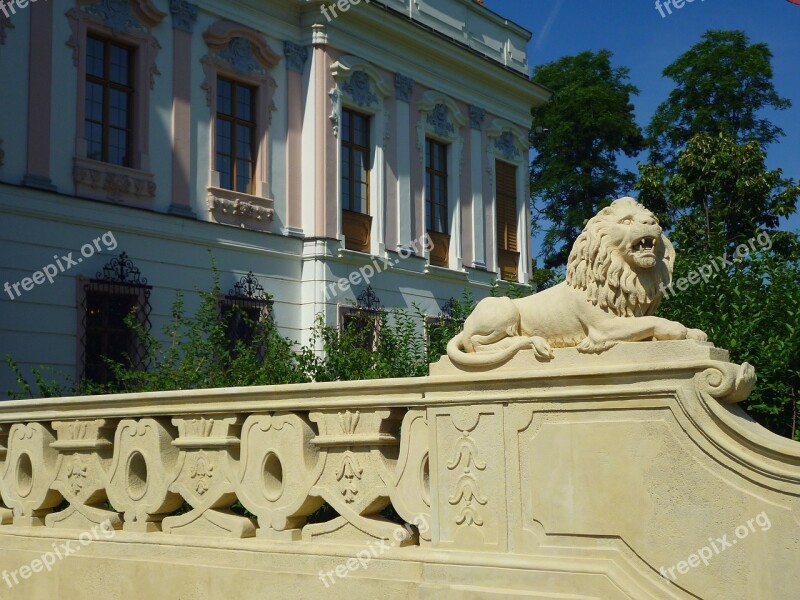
114	293
365	317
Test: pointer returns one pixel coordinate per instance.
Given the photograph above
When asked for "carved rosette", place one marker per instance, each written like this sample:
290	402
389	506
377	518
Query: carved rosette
205	478
358	452
279	466
29	472
144	467
85	452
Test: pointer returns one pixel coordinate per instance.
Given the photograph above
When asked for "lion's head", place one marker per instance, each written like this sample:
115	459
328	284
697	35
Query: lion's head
621	259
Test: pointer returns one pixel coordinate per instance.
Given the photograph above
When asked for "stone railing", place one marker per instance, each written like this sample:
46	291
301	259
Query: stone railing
586	477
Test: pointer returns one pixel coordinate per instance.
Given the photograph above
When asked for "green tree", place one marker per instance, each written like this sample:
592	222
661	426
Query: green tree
722	85
718	194
578	136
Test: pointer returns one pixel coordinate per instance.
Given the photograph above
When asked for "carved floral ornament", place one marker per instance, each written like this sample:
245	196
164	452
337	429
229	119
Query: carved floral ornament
358	84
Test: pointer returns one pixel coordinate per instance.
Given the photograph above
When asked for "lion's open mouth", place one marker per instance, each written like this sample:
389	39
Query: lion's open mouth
644	244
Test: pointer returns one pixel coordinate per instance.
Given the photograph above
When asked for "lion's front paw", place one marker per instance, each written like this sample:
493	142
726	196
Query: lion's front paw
591	346
696	334
541	348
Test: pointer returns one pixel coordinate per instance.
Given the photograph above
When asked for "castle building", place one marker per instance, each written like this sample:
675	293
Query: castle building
316	152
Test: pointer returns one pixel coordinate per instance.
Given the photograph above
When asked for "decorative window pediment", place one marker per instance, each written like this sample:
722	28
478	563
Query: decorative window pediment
358	85
125	15
507	142
132	19
237	50
441	116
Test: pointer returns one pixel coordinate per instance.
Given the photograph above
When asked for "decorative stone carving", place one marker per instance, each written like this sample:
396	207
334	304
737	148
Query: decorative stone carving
439	121
359	89
279	466
114	183
29	472
296	56
506	146
184	15
85	451
403	86
355	446
206	479
616	274
239	209
144	467
476	117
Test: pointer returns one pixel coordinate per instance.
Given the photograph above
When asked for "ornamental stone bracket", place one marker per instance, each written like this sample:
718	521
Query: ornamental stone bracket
239	209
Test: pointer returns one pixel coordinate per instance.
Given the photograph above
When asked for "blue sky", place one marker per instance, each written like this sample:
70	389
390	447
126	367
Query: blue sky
645	42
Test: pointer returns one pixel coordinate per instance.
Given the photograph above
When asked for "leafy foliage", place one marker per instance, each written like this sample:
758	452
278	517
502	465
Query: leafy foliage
722	84
578	137
753	310
718	194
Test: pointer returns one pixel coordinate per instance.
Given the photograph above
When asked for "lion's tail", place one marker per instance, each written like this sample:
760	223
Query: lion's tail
455	351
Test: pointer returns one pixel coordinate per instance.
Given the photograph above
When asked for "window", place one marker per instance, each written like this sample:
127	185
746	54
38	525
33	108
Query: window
507	245
236	133
109	101
107	301
245	305
355	173
362	321
436	209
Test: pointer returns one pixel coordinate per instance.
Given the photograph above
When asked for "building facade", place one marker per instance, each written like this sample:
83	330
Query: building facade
297	144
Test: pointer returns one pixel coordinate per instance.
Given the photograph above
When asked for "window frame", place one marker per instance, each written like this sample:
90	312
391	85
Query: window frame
132	185
236	121
507	257
225	40
107	85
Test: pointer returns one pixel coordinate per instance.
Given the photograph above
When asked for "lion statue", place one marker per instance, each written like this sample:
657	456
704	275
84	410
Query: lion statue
616	273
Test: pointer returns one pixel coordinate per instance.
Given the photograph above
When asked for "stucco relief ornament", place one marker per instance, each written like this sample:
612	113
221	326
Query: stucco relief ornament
116	14
359	88
439	121
240	56
505	145
616	275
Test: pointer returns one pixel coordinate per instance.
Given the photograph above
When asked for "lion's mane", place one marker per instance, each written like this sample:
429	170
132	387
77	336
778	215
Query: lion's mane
609	280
